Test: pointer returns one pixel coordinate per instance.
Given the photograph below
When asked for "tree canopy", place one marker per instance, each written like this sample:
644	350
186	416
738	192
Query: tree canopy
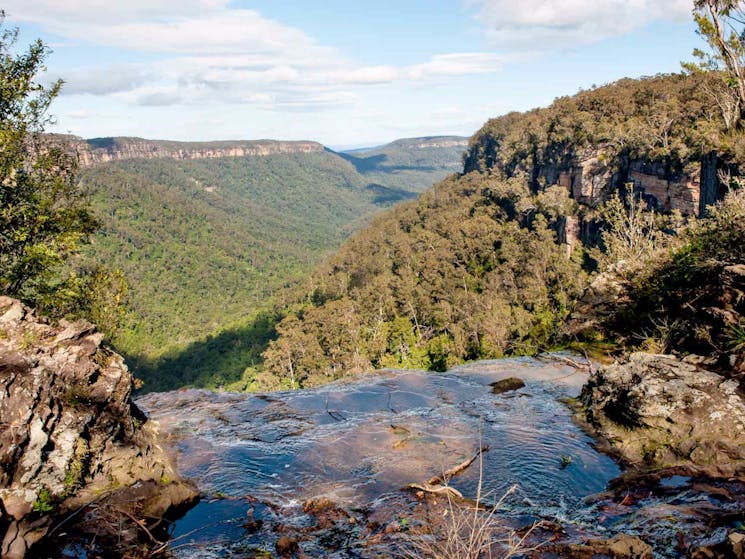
722	25
44	216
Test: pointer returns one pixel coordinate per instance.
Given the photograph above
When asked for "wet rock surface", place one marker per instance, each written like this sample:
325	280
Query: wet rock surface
330	470
70	437
660	411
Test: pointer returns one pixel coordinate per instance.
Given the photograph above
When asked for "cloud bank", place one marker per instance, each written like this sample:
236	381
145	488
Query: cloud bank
210	52
549	24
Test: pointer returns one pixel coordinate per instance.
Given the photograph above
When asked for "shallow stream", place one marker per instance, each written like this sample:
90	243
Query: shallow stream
358	443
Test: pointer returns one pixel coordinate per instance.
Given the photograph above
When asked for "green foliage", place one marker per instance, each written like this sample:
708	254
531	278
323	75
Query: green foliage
686	300
471	270
205	246
44	216
630	233
204	242
666	119
229	359
721	23
45	502
408	166
76	468
736	337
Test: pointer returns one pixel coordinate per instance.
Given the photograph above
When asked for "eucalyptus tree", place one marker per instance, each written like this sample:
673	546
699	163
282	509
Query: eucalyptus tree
44	215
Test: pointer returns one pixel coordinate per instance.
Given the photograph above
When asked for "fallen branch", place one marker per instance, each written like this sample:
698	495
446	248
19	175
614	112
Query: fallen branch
77	511
454	471
571	362
335	415
141	524
436	489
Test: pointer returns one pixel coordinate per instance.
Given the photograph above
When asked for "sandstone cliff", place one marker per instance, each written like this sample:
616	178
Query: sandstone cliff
592	174
432	142
102	150
70	435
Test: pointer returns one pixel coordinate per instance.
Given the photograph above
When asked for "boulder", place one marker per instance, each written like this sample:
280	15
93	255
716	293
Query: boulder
663	411
507	385
69	432
621	546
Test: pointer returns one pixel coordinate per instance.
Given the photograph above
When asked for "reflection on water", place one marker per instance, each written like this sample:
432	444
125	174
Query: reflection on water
354	441
359	442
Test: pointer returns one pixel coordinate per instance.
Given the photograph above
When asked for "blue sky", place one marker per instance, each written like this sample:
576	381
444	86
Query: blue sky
343	73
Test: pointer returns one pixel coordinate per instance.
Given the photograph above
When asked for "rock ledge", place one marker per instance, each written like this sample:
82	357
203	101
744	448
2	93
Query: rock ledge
70	435
660	411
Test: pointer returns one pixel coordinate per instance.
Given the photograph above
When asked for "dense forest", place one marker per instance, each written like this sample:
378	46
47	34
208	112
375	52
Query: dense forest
204	244
485	264
409	164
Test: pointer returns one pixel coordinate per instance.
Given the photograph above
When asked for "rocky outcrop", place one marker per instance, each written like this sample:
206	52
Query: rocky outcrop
595	173
69	433
433	142
103	150
664	412
592	174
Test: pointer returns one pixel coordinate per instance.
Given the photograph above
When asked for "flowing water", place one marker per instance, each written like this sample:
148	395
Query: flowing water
358	443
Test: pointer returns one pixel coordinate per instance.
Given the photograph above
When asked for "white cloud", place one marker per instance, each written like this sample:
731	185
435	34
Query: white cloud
457	64
106	12
78	114
368	75
103	80
548	24
205	52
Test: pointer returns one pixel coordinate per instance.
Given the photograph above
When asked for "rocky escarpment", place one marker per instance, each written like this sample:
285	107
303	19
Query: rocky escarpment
591	175
70	436
653	135
661	411
432	142
103	150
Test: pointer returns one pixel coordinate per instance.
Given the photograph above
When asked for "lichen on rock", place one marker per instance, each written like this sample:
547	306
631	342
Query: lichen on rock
69	432
663	411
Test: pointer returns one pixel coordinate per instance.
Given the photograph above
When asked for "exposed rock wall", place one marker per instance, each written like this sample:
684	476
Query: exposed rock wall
103	150
69	433
427	143
592	174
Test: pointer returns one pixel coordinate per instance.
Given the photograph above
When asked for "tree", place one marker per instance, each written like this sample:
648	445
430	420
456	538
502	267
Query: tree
630	234
722	24
44	215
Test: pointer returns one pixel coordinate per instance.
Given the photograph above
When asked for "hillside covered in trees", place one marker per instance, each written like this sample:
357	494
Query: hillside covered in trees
409	164
206	238
491	263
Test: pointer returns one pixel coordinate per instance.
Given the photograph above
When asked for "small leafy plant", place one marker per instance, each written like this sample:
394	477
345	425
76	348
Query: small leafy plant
44	503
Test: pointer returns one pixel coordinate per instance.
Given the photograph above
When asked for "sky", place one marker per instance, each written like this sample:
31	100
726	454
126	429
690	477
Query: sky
345	73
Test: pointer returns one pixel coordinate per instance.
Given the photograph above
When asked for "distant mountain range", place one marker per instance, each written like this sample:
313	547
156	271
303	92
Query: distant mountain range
410	164
208	232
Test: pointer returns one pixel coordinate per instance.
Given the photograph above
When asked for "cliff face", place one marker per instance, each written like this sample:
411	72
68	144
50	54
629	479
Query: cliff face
593	174
433	142
103	150
592	177
69	434
657	134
